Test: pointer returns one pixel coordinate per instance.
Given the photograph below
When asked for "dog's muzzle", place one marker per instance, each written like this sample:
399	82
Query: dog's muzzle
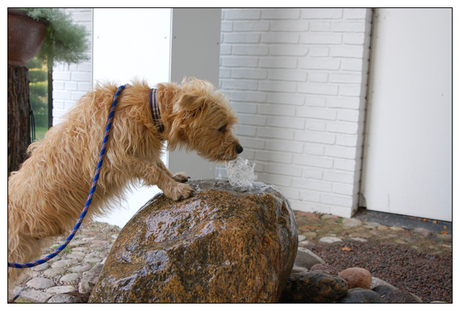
239	149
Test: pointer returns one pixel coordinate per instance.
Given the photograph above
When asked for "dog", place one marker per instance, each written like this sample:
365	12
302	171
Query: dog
47	194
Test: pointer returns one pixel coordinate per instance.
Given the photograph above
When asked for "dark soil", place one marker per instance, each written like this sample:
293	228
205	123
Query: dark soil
426	275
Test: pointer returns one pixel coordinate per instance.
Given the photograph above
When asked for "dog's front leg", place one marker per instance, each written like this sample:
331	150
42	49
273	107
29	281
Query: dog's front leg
179	177
156	174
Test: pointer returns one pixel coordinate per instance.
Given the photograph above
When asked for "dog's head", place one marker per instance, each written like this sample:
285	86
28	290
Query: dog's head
203	121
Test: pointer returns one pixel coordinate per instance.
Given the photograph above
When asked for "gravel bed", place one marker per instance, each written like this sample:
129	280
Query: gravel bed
428	276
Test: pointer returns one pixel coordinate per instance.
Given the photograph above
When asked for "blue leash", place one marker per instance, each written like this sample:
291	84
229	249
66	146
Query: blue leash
90	196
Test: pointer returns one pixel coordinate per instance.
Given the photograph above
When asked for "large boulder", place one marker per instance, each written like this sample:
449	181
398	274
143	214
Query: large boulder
218	246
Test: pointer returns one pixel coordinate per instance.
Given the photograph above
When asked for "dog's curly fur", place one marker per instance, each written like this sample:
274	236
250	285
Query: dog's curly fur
47	194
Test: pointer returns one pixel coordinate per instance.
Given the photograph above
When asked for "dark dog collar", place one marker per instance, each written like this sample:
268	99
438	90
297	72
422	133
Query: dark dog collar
156	110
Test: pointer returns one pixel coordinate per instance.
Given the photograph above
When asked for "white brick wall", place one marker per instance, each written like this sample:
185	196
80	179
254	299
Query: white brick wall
297	79
70	82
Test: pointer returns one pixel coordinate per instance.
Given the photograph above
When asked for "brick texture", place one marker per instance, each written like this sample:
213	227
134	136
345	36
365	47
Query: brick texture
70	82
297	79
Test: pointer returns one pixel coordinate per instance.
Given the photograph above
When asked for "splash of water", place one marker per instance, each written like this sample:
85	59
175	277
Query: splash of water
241	174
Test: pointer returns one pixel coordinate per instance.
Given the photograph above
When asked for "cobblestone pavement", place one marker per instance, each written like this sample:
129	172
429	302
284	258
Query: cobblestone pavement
70	276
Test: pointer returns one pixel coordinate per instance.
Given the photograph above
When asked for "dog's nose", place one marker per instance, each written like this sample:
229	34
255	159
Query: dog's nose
239	149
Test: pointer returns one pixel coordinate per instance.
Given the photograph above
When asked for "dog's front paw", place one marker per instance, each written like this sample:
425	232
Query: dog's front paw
179	192
181	177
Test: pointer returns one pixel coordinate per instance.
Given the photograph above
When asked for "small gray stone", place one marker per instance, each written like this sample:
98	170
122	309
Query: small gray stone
64	298
359	239
80	249
301	238
40	283
297	269
306	258
92	259
53	272
351	222
447	238
371	225
359	295
76	255
63	263
376	282
422	231
70	278
330	239
81	268
60	289
41	267
35	295
384	289
311	234
400	296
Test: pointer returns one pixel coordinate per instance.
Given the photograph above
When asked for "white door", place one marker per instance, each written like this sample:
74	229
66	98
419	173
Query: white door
131	43
408	153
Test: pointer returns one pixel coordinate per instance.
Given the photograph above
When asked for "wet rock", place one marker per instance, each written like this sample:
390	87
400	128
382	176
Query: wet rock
325	267
357	277
217	246
400	296
360	295
314	286
306	258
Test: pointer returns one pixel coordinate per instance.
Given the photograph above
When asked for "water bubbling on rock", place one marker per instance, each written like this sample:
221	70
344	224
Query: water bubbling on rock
241	174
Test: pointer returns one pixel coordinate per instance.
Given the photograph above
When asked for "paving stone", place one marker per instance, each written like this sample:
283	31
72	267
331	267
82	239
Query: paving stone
71	278
41	267
330	239
351	222
359	240
53	272
92	259
76	255
35	295
63	263
60	289
80	249
422	231
371	224
40	283
80	268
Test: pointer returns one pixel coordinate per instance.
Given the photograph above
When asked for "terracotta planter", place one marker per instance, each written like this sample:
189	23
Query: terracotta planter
25	37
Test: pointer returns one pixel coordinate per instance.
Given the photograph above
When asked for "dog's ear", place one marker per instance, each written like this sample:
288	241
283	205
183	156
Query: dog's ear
189	104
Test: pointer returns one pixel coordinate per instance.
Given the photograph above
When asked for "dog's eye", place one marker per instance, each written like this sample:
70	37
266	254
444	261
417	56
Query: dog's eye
222	128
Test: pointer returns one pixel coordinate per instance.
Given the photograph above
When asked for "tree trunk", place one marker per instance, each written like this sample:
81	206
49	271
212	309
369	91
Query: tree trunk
18	116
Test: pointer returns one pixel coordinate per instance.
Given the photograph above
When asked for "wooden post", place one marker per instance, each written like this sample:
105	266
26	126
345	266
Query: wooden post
18	116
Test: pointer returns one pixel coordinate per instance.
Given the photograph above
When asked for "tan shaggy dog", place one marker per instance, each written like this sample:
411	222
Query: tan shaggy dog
48	193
